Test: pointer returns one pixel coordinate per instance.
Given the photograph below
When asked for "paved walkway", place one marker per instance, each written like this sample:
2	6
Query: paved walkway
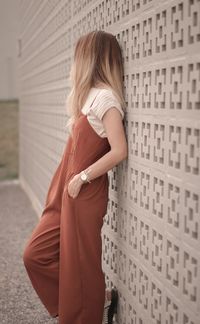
19	303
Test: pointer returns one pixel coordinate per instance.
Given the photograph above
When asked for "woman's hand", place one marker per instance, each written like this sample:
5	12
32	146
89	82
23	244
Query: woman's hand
74	186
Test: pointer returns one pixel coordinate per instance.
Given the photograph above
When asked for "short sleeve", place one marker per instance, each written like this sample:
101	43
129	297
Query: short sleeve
104	101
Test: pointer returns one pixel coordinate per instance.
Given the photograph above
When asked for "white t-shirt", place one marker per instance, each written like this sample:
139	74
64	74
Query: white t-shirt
97	103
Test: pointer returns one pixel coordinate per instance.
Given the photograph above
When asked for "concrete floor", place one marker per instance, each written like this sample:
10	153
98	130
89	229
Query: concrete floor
19	303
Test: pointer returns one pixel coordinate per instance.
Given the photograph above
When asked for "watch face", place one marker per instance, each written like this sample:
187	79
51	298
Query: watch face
83	177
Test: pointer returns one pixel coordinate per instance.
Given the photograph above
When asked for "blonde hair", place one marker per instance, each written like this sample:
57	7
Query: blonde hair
97	60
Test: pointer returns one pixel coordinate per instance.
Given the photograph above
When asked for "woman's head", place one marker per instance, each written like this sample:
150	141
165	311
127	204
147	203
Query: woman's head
97	62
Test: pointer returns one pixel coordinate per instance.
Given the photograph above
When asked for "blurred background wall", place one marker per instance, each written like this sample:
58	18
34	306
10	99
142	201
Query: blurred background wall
151	245
9	89
9	31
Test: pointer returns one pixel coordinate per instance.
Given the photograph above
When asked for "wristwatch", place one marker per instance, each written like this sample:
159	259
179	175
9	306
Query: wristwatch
84	177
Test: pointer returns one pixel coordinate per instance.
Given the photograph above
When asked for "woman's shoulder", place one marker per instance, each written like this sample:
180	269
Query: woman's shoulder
105	100
106	93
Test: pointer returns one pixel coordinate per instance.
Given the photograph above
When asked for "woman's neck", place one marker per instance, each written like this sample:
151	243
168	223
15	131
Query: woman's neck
102	86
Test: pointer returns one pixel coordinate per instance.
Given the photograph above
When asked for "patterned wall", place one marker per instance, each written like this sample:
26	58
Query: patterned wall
151	235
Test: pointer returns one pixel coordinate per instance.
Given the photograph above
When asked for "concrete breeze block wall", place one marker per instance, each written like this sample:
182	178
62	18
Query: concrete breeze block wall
151	235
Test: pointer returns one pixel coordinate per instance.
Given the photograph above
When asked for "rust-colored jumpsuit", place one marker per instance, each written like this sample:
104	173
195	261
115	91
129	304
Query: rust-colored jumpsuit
63	255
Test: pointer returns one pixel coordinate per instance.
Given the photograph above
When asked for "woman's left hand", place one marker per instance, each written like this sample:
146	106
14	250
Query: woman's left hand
74	186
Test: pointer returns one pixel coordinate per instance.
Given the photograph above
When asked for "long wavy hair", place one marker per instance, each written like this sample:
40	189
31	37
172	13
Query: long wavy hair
97	61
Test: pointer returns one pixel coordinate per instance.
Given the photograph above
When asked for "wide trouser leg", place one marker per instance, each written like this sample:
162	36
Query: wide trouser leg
82	281
41	253
41	260
90	222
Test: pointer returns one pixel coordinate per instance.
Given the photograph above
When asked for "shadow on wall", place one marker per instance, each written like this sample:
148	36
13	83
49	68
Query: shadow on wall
9	142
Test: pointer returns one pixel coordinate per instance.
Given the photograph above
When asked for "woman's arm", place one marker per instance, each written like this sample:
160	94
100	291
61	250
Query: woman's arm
114	128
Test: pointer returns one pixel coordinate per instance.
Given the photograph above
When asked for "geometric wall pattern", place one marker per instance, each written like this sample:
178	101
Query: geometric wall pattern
151	234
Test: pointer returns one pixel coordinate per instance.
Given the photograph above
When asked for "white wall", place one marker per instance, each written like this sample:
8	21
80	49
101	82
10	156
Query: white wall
9	31
151	235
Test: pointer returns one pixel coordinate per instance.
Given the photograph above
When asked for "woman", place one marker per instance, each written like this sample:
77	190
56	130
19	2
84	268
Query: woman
63	254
